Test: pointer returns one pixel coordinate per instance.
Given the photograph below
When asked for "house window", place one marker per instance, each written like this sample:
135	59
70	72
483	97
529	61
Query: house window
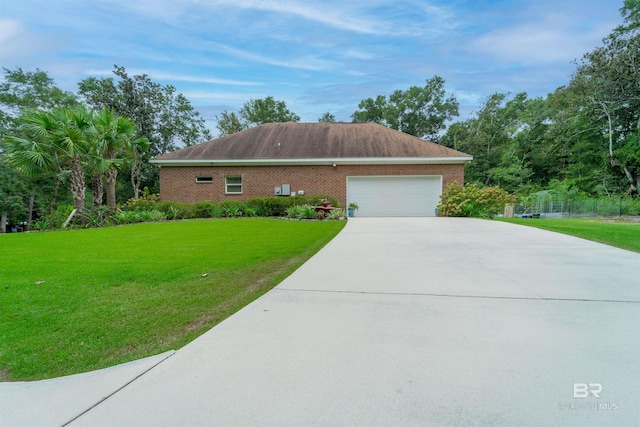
233	184
204	179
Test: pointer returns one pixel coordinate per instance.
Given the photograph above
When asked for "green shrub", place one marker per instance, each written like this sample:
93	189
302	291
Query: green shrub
277	206
56	219
203	209
631	206
301	212
141	215
293	212
145	201
308	212
126	217
232	208
176	210
97	217
250	211
217	212
336	214
471	200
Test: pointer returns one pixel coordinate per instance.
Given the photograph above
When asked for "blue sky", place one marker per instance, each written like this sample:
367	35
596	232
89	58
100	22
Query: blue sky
317	56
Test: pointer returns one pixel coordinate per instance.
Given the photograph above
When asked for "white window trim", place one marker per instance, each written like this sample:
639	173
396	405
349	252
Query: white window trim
226	185
207	180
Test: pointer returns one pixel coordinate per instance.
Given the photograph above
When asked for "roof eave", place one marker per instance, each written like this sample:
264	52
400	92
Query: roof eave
321	161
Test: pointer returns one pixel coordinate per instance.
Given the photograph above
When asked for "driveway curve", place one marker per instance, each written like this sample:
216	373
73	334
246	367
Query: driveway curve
406	321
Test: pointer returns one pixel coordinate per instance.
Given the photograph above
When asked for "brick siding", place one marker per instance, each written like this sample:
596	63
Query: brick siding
179	183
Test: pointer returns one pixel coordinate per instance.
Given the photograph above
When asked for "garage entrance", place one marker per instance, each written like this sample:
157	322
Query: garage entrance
380	196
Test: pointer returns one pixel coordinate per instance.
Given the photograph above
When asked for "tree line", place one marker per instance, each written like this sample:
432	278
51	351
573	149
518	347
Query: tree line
55	144
582	138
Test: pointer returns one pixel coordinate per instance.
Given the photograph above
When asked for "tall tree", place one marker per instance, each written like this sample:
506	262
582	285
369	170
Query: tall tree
161	114
23	90
419	111
327	118
229	123
12	191
255	112
487	137
54	143
115	138
608	82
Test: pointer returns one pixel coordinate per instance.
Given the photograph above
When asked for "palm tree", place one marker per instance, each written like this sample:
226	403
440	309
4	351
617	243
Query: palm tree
54	143
115	138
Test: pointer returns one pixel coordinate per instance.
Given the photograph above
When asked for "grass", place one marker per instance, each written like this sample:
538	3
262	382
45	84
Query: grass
81	300
621	234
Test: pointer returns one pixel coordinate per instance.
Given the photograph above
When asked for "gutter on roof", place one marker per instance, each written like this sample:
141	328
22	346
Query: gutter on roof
325	161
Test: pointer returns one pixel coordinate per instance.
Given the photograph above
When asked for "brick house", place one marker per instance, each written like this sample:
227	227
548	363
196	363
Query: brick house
388	173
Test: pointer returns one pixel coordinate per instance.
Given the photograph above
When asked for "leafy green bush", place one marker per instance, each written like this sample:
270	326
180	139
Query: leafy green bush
97	217
630	206
176	210
217	212
203	209
250	211
55	220
293	212
301	212
126	217
271	206
336	214
232	208
141	215
277	206
145	201
471	200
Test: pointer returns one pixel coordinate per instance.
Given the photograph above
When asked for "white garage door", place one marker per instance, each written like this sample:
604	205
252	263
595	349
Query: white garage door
394	195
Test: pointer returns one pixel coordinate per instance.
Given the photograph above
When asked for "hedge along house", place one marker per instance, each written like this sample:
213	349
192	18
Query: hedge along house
386	172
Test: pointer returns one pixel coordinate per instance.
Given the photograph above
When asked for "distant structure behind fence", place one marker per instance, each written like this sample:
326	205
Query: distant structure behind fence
548	205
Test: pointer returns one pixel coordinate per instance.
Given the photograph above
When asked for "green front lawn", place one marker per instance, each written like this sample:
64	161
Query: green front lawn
81	300
622	234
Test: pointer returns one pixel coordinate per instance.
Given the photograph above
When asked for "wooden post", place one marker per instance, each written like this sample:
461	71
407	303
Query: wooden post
508	211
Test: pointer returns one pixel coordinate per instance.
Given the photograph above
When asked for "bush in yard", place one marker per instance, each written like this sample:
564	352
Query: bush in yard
145	201
301	212
294	212
249	211
232	208
176	210
140	215
96	217
203	209
336	214
56	219
630	206
270	206
471	200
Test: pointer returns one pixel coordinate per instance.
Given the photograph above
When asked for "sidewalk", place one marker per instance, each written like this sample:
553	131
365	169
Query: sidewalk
403	321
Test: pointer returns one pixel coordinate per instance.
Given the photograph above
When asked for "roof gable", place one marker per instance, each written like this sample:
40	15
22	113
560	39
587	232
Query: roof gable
290	142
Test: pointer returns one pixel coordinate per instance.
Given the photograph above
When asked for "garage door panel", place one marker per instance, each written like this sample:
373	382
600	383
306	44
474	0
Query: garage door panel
395	195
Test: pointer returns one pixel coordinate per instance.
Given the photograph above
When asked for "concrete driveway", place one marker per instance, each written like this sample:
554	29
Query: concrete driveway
403	321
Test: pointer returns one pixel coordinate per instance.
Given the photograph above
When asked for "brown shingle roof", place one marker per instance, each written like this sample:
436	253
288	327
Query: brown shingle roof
312	141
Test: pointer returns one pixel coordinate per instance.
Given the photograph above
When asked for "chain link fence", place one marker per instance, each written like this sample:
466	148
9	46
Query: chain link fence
550	207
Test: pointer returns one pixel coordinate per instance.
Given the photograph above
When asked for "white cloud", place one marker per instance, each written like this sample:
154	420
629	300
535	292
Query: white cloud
541	39
9	30
383	18
177	77
19	44
307	62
